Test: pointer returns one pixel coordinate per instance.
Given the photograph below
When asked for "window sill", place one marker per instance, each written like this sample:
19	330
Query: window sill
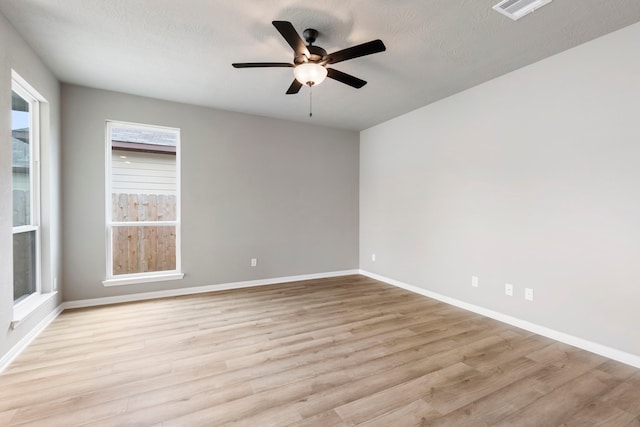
145	279
26	308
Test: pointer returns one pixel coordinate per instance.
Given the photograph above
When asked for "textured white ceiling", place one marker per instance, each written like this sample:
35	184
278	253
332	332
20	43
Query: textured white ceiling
183	50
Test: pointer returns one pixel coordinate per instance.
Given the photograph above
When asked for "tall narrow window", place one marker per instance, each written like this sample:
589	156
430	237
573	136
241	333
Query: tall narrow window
143	203
25	186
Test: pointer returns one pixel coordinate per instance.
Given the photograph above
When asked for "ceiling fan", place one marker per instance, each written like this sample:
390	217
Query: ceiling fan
310	62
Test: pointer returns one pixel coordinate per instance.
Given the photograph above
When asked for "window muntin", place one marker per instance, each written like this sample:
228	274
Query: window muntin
143	209
25	184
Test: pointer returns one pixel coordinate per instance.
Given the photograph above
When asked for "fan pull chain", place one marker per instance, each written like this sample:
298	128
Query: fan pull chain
310	101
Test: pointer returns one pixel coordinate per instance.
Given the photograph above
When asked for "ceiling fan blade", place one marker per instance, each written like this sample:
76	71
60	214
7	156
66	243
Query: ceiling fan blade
294	88
363	49
261	64
292	37
345	78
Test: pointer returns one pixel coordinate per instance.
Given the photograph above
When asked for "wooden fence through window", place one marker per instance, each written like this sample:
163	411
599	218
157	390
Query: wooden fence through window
139	249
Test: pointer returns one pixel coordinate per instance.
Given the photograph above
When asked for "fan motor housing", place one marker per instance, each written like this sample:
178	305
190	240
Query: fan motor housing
317	53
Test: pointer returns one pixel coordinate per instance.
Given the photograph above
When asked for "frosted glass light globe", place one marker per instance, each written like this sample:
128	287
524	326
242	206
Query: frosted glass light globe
310	74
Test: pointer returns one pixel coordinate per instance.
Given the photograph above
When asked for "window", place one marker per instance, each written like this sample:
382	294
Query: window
25	142
143	203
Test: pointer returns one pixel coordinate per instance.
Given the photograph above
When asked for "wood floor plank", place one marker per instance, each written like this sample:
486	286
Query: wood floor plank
340	351
6	416
73	389
600	415
494	406
561	404
376	382
474	387
397	397
626	396
68	403
236	410
80	417
418	413
618	370
327	418
174	408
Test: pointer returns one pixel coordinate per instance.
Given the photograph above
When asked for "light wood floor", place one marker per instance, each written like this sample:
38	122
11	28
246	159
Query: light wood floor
332	352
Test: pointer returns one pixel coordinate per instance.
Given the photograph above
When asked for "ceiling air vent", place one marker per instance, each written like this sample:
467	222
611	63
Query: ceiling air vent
516	9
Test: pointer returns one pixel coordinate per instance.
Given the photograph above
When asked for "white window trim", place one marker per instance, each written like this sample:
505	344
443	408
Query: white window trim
155	276
28	305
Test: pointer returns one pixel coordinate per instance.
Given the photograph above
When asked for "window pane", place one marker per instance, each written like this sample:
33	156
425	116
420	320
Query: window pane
21	160
24	264
143	186
143	249
140	204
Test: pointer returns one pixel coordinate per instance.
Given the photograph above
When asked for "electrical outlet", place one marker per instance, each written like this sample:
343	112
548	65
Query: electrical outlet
474	281
508	289
254	262
373	257
528	294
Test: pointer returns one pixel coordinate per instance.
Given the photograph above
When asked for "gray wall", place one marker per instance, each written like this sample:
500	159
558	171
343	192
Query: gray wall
16	54
285	193
530	179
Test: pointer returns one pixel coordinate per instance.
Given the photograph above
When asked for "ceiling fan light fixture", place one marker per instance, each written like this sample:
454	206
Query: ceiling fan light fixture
310	74
310	61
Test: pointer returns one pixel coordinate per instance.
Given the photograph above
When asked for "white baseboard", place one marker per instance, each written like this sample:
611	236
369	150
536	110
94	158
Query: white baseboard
202	289
593	347
13	352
